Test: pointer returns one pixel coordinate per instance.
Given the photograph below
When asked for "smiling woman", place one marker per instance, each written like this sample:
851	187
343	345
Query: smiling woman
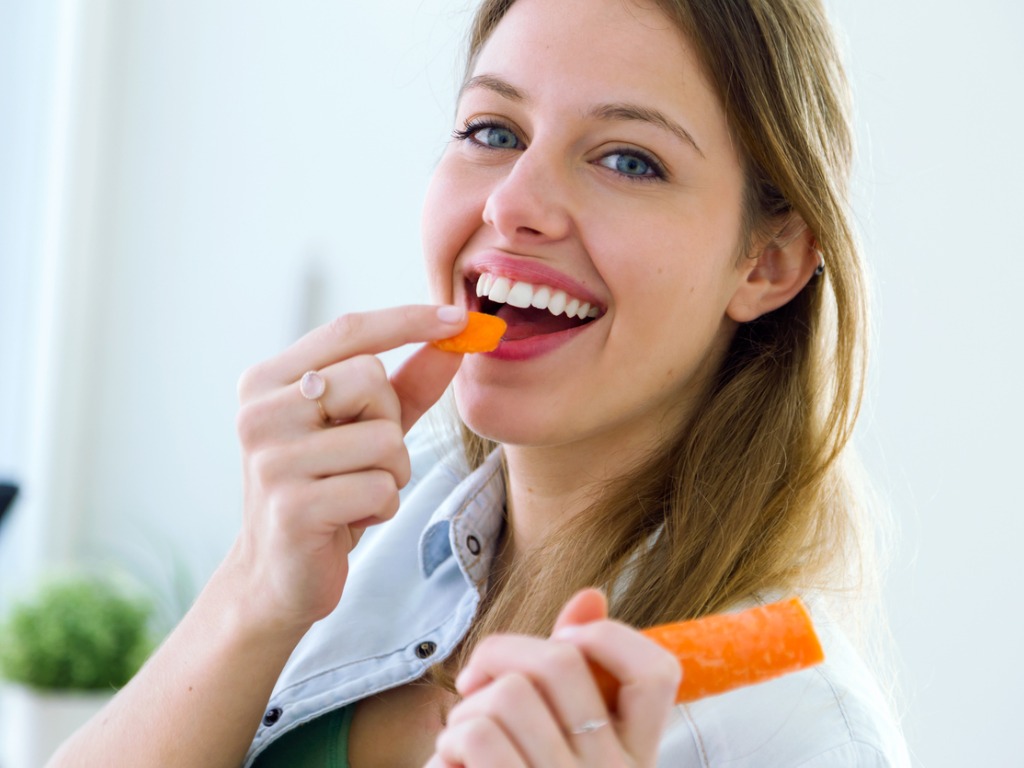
645	194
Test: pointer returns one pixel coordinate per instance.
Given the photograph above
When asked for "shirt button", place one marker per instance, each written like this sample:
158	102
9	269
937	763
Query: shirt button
473	544
272	716
426	649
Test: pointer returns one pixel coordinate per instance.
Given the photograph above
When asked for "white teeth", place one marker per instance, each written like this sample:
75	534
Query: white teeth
557	304
522	295
500	290
541	297
483	285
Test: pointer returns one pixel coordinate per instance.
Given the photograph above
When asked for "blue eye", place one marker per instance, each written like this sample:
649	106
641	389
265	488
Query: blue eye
489	134
497	137
631	165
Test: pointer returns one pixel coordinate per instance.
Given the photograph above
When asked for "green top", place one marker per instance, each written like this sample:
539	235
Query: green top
320	743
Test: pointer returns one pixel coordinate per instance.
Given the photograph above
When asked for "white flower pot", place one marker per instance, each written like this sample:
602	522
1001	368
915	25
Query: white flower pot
33	723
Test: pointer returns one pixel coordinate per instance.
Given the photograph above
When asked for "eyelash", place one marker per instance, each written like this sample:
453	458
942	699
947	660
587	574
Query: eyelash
659	173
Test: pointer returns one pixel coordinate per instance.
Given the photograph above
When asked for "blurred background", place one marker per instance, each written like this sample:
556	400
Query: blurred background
186	187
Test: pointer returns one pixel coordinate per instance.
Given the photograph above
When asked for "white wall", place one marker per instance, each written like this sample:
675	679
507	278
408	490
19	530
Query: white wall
266	170
27	53
258	168
938	92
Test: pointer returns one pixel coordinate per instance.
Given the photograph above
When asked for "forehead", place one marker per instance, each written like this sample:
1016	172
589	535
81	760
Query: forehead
632	35
574	53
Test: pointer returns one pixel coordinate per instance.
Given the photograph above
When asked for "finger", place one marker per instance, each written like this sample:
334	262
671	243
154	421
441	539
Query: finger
322	507
478	743
362	333
517	706
558	670
648	674
421	380
585	606
357	388
353	447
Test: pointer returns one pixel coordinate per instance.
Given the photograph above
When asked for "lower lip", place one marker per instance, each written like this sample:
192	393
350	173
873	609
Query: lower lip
535	346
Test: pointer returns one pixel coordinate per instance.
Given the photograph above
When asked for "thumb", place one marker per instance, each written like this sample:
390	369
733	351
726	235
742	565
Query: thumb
585	606
421	380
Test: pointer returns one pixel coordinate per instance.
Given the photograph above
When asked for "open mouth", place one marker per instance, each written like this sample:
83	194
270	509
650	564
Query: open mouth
531	309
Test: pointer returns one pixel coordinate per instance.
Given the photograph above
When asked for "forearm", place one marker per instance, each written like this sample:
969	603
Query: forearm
199	699
311	485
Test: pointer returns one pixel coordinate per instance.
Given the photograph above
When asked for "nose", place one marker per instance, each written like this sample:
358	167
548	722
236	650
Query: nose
532	202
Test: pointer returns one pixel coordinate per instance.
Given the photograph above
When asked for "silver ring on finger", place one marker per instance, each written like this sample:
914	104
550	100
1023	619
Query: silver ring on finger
312	387
588	726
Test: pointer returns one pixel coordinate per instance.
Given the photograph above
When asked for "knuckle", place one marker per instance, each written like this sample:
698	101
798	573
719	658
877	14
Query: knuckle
345	326
559	658
403	470
479	734
368	370
394	439
252	420
261	467
389	508
270	465
508	694
418	316
248	424
381	492
386	444
249	383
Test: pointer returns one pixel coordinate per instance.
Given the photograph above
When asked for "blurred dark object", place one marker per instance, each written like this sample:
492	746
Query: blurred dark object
7	493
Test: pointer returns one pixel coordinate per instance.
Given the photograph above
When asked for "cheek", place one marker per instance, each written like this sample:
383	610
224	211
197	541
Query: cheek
452	213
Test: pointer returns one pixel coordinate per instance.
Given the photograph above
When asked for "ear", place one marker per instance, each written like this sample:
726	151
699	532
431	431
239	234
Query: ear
776	274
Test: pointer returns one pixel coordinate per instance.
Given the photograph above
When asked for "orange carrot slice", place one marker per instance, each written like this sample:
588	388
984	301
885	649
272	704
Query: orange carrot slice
729	650
481	334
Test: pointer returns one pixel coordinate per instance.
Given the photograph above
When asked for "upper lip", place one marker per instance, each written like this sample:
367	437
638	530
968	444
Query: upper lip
527	270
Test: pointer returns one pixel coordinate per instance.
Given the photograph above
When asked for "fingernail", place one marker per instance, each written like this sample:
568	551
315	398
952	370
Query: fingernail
566	633
451	314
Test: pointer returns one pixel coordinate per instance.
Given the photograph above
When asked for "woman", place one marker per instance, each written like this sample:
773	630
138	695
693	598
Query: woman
648	193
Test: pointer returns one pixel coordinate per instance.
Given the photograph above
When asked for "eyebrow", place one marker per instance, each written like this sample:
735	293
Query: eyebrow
496	84
643	114
613	112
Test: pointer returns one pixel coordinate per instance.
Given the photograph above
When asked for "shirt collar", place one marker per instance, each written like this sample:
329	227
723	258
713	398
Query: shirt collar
467	523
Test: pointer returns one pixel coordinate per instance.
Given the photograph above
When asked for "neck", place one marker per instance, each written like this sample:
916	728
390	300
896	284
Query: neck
549	485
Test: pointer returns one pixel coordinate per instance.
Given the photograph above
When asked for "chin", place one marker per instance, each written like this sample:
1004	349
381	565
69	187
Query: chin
501	420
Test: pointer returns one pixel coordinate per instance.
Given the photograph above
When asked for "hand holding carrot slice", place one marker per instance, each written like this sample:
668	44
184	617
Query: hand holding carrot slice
481	334
726	651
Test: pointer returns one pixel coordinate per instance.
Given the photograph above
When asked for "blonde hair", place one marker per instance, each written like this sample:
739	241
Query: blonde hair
752	496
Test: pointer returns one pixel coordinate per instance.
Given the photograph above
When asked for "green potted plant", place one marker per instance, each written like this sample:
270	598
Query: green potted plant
63	653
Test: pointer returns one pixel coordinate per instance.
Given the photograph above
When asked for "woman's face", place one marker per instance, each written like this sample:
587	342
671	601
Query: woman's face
592	171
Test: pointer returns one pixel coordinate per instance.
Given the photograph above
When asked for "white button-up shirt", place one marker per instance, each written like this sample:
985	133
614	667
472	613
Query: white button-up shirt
413	589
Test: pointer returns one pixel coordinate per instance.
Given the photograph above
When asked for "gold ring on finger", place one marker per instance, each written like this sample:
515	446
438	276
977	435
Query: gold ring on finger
312	387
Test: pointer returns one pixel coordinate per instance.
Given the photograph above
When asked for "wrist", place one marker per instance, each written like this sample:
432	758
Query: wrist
245	609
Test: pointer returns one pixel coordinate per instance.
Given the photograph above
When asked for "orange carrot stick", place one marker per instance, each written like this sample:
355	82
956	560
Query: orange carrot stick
481	334
730	650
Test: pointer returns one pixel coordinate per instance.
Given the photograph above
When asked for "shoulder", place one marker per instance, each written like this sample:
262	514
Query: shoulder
833	715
